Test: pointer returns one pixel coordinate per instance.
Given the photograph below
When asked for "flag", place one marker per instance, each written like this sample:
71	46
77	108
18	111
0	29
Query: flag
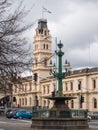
46	10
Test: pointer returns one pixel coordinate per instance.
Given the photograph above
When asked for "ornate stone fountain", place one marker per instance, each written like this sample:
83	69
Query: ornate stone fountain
60	116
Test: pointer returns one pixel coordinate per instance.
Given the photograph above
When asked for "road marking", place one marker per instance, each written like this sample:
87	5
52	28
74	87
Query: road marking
93	126
17	121
27	121
2	122
1	129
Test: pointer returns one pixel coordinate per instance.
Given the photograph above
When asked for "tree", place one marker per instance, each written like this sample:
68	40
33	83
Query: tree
15	52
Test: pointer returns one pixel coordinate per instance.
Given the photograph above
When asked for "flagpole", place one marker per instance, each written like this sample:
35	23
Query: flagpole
42	13
45	10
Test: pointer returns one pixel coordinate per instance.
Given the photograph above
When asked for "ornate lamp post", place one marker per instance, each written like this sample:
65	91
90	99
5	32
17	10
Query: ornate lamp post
59	74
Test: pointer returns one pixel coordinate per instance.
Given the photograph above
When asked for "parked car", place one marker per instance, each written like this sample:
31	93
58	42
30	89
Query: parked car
89	118
10	113
94	115
23	114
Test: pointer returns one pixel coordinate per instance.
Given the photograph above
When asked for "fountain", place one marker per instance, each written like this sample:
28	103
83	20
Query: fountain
59	116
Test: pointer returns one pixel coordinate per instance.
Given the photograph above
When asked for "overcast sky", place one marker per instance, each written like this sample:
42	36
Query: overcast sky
74	22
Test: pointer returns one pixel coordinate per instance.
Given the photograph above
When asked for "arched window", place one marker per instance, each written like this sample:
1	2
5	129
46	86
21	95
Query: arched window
44	46
71	85
94	83
14	99
47	46
95	103
66	86
72	104
25	101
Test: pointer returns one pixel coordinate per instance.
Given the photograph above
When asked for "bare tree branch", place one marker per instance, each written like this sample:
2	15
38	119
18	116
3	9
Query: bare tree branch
15	51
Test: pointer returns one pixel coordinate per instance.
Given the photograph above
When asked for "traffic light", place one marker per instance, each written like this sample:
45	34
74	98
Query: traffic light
53	93
35	77
81	99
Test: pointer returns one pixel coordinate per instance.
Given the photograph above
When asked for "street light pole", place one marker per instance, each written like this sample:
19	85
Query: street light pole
59	74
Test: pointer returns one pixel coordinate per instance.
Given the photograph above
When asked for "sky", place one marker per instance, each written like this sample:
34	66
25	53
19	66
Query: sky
74	22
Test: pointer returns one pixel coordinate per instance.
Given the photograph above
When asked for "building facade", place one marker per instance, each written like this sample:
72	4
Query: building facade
33	89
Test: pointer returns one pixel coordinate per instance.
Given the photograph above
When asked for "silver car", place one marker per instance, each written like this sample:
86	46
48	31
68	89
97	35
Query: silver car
93	115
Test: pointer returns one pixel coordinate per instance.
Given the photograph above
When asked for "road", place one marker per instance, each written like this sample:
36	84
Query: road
14	124
18	124
93	124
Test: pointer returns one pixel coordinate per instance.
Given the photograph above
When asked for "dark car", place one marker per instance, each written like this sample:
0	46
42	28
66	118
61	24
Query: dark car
23	114
10	113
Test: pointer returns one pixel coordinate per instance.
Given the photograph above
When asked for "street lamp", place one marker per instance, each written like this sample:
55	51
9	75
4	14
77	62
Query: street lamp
57	73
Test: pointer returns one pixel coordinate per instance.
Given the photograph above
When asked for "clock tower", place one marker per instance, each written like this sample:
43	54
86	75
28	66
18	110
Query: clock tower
41	50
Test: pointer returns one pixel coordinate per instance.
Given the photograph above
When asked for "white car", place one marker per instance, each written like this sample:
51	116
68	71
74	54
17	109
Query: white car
89	118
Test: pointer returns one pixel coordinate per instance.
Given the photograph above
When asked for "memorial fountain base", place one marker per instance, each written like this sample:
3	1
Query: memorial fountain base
59	117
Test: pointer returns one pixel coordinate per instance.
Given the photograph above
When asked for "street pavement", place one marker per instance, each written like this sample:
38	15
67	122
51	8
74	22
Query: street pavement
17	124
14	124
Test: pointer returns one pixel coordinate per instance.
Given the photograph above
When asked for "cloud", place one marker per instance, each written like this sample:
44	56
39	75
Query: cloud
75	23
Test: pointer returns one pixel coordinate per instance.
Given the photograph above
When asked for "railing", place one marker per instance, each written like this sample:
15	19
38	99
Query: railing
59	113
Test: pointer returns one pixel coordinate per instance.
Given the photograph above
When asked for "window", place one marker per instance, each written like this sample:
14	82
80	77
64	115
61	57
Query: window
66	86
94	83
79	85
47	46
95	103
71	85
25	101
45	33
44	46
72	104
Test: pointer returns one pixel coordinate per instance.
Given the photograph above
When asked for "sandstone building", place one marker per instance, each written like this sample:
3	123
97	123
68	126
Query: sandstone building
31	93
